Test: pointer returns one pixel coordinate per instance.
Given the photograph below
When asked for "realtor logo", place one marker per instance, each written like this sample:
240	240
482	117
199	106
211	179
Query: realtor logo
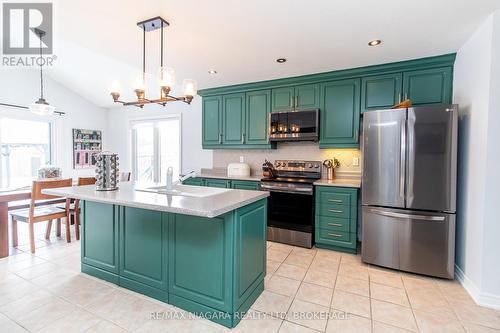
19	23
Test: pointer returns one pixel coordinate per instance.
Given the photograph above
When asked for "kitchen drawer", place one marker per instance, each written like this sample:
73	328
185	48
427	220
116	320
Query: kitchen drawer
212	182
334	210
336	198
330	235
338	239
333	223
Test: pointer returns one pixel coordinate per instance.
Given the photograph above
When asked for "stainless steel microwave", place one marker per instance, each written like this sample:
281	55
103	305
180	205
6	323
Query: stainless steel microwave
294	125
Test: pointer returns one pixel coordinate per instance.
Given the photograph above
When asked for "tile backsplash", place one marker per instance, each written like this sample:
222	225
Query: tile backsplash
290	151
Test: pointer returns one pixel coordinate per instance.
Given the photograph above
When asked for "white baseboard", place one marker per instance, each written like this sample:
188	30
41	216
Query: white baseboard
481	298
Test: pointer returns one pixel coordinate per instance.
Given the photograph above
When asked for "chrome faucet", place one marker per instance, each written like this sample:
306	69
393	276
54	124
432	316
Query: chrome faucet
171	184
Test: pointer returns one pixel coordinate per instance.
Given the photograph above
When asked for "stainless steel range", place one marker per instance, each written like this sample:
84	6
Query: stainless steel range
291	203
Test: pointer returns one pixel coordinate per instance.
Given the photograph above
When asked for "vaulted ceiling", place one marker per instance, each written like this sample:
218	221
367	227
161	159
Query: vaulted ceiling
98	41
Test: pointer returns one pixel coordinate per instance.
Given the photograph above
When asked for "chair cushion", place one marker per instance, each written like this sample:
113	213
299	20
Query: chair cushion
39	211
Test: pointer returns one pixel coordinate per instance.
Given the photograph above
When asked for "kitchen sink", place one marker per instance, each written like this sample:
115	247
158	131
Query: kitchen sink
186	190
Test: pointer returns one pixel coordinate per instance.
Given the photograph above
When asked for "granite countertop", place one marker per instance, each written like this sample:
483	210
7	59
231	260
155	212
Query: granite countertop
128	195
340	182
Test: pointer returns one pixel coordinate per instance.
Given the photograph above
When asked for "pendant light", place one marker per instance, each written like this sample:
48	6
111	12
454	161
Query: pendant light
166	74
41	107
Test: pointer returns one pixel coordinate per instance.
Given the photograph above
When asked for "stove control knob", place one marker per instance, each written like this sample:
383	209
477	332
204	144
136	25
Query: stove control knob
284	164
309	165
316	165
278	164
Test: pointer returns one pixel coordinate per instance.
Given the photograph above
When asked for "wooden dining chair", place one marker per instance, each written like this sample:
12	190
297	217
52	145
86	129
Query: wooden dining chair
35	214
75	209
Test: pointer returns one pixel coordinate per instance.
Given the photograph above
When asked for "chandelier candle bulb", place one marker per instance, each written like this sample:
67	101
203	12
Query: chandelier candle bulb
189	87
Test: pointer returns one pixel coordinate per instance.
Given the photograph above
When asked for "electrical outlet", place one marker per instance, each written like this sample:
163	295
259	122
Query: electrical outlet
355	161
242	159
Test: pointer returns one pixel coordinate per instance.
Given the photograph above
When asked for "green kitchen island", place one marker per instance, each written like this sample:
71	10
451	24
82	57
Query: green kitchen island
202	250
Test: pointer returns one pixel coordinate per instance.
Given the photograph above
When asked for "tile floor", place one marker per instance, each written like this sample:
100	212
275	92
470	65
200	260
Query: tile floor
307	291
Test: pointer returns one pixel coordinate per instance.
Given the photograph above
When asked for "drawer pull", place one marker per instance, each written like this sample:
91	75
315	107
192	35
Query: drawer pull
335	211
335	200
335	224
335	235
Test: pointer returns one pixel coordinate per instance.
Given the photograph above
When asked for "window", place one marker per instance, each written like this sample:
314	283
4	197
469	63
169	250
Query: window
25	146
156	145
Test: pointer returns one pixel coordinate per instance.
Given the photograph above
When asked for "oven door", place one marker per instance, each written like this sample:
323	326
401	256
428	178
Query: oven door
290	207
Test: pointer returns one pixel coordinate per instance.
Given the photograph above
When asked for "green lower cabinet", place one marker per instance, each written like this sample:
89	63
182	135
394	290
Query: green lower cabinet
143	251
213	267
336	218
212	182
245	185
194	181
100	240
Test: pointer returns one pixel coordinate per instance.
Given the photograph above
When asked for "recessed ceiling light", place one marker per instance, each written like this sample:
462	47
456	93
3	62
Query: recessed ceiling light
212	72
375	42
280	60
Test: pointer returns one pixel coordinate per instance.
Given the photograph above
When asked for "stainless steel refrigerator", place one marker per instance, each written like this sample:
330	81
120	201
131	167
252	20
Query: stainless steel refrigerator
409	189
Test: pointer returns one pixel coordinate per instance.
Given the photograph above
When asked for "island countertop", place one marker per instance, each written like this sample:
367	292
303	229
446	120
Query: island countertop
129	195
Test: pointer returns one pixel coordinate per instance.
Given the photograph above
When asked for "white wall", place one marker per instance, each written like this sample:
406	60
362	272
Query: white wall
21	87
193	156
476	90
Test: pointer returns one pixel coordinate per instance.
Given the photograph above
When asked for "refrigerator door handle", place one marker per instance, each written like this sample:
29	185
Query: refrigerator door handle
411	158
402	162
407	216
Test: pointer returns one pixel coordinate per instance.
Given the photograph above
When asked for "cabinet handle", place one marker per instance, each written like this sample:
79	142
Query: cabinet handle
243	138
291	102
335	235
335	211
406	95
399	98
220	138
296	101
335	224
334	200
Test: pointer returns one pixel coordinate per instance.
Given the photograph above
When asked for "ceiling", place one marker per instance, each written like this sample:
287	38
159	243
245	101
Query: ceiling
98	41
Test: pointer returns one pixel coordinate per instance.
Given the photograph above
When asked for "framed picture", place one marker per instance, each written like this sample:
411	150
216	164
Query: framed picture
86	144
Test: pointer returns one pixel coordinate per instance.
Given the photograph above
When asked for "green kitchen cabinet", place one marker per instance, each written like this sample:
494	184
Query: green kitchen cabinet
233	119
428	86
306	97
282	99
336	218
213	182
245	185
100	240
196	181
212	121
299	97
258	108
381	91
340	113
143	251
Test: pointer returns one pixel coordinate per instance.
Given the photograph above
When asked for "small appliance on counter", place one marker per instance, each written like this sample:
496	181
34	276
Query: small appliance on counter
107	172
49	172
290	210
330	166
238	170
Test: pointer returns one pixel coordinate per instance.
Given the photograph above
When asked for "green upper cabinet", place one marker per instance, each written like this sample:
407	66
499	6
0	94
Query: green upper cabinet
283	99
340	110
300	97
306	97
258	108
233	119
212	120
428	86
381	91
